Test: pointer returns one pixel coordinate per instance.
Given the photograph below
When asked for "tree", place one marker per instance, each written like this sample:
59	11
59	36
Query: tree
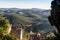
4	25
54	18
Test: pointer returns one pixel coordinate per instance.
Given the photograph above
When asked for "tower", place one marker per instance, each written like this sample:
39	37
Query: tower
9	29
21	34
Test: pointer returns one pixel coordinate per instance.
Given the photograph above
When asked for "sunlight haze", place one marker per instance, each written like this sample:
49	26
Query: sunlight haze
43	4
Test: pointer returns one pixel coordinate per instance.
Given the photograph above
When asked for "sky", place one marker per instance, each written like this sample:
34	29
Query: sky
42	4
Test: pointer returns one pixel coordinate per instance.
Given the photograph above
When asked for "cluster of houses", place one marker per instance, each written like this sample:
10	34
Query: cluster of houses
36	36
18	32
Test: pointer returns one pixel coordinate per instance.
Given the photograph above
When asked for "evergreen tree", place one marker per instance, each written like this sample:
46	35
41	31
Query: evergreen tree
54	18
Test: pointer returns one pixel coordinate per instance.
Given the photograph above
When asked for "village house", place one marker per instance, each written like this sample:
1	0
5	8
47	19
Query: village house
18	32
37	36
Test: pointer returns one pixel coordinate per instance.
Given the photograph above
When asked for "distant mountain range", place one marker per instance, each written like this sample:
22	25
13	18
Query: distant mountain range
33	10
37	18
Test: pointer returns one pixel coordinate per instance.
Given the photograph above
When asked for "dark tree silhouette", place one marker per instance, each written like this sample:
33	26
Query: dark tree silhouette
54	18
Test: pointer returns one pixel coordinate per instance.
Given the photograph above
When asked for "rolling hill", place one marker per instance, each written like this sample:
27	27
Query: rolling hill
29	19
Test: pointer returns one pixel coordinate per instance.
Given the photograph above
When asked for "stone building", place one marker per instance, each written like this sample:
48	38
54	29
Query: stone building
37	36
18	32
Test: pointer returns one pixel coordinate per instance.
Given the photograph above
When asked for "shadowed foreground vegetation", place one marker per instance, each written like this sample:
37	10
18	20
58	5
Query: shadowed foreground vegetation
4	35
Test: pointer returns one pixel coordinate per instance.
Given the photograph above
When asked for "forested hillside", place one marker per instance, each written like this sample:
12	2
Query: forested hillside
29	19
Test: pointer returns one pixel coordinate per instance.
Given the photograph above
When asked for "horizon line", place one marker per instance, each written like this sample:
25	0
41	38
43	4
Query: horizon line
22	8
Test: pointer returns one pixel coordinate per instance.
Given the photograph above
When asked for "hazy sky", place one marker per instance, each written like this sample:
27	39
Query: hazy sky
43	4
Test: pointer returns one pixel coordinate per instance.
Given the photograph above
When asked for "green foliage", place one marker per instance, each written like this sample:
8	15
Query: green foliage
18	20
7	37
26	34
4	30
4	25
27	21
